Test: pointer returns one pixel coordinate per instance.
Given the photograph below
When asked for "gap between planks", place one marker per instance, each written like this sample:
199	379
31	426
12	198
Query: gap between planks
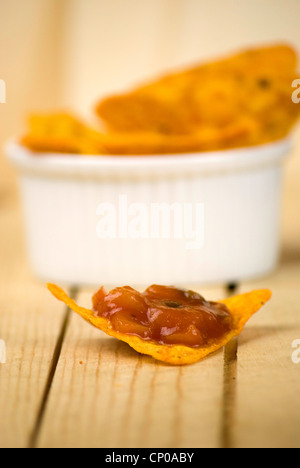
55	358
229	394
228	408
227	417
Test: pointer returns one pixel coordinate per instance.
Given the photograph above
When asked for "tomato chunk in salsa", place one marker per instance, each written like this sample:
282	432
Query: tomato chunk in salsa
163	314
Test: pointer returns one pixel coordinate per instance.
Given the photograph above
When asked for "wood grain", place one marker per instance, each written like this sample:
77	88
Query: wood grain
29	326
66	384
129	400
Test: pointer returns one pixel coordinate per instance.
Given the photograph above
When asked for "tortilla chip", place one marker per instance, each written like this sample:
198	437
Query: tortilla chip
241	308
237	101
61	132
251	83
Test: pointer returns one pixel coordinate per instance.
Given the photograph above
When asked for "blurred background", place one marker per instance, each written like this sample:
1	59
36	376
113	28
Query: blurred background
69	53
66	54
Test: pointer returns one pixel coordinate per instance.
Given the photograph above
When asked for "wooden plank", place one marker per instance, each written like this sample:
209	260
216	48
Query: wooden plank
104	394
29	327
267	413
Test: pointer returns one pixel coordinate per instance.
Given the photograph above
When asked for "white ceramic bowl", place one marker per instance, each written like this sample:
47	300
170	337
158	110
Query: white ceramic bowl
187	219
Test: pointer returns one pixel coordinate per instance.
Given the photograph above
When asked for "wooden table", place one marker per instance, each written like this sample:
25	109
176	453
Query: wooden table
65	384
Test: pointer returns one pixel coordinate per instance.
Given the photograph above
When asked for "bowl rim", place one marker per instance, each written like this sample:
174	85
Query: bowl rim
230	159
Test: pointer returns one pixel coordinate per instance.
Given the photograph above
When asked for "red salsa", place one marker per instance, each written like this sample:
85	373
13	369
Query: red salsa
163	314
